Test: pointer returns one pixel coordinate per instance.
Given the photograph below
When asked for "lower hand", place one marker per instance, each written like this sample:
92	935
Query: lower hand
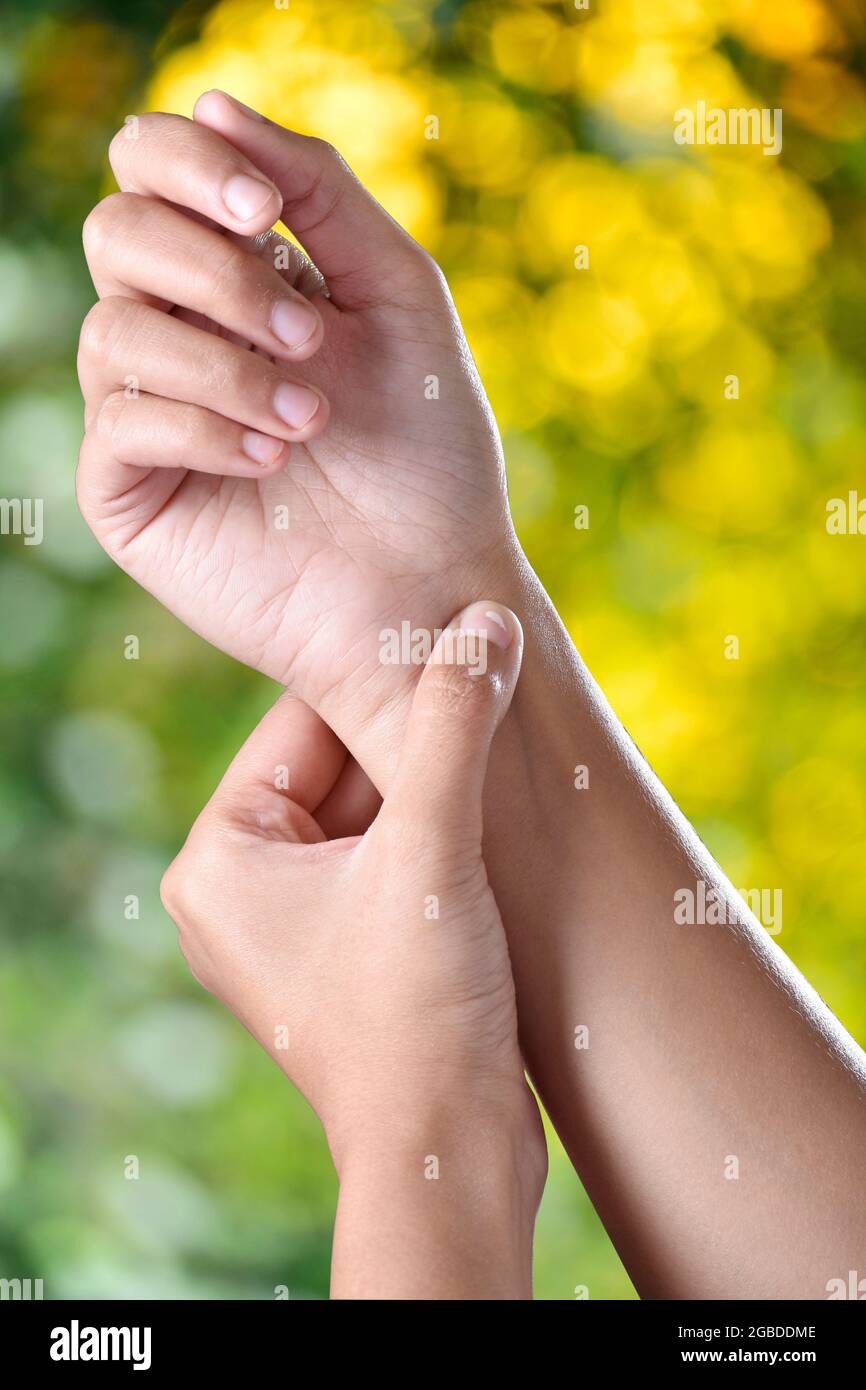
375	969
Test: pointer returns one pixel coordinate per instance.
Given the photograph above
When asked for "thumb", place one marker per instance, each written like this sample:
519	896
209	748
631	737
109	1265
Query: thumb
461	698
352	240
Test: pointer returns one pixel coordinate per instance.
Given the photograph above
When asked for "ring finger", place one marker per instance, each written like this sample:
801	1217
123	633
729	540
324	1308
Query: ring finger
152	432
126	344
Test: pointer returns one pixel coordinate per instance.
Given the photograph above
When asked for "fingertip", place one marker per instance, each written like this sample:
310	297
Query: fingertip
267	453
460	701
215	104
472	669
494	621
499	637
202	101
292	404
252	201
209	105
319	422
298	328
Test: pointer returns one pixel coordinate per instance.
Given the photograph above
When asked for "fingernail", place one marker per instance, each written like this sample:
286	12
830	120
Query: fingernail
262	448
295	404
245	196
293	323
490	623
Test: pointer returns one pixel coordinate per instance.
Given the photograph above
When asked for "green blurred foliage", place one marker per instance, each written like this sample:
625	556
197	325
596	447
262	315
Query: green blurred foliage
552	131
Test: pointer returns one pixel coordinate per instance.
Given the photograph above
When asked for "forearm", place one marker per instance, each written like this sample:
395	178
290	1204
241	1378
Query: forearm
442	1208
713	1106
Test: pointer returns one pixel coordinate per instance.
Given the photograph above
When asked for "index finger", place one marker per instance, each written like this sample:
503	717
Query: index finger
286	767
192	166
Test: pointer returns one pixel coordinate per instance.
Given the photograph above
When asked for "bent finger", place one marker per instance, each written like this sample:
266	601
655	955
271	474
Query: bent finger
137	244
128	344
183	162
145	431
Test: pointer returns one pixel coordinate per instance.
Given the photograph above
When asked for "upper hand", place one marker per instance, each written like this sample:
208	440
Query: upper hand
384	505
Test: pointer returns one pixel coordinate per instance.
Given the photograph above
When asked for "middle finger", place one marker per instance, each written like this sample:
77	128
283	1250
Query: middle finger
135	243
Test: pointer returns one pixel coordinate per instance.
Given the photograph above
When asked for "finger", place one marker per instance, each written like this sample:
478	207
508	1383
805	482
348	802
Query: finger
134	243
351	805
125	344
178	160
143	431
100	480
357	245
285	769
461	698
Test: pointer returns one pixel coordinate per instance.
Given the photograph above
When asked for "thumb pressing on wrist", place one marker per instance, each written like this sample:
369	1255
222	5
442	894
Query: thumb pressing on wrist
460	701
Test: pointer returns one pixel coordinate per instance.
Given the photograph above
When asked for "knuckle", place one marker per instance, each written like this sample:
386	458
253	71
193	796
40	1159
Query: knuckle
94	234
108	418
227	369
429	278
110	219
428	265
98	226
182	889
135	129
91	335
226	271
325	150
172	888
422	279
330	164
115	145
102	326
123	139
193	885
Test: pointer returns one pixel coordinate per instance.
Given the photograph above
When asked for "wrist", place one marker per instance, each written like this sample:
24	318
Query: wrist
504	1123
439	1202
368	701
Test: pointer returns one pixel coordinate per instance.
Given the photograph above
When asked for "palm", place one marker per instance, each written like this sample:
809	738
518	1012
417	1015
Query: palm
386	514
369	525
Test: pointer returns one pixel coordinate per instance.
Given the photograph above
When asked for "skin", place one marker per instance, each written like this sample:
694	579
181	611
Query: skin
705	1043
396	503
400	1027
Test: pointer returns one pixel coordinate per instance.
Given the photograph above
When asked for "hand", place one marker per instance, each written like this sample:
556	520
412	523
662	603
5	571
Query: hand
374	970
290	540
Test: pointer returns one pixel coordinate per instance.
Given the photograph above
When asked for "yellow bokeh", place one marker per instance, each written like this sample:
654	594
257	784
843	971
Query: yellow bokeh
670	335
734	478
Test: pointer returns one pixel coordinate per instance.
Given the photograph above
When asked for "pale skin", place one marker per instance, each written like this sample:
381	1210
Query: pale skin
374	969
705	1044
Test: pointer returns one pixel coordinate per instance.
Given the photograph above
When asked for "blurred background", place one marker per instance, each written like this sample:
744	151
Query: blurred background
610	371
